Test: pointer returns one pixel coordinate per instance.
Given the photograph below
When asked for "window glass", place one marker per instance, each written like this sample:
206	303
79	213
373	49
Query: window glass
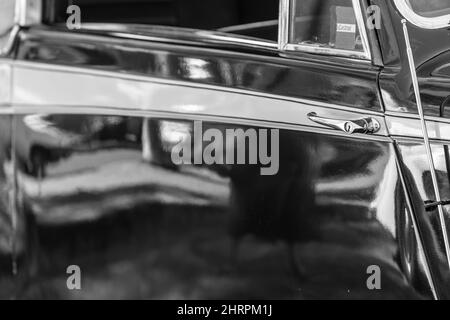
325	23
254	18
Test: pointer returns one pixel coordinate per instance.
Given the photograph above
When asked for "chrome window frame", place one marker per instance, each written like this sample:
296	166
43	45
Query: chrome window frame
420	21
285	28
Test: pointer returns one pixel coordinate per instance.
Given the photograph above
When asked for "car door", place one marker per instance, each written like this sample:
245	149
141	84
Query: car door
147	167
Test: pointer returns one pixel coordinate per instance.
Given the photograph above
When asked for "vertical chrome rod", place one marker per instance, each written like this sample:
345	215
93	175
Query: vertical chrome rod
426	138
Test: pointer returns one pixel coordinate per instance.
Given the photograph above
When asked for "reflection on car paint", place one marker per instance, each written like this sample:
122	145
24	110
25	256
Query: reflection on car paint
140	227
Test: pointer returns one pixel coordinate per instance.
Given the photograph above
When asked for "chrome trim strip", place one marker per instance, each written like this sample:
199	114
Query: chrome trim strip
285	29
22	109
414	116
361	21
246	26
325	51
256	44
419	21
41	88
405	139
406	125
116	75
114	37
175	35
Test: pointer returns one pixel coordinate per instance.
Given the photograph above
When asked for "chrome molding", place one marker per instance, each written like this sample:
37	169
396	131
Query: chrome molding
142	78
234	40
408	126
24	109
246	26
419	21
285	29
41	88
177	35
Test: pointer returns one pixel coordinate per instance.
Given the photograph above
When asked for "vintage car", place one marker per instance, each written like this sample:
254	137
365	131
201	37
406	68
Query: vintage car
95	96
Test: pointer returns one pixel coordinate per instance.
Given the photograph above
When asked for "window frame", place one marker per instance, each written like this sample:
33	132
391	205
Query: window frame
420	21
285	28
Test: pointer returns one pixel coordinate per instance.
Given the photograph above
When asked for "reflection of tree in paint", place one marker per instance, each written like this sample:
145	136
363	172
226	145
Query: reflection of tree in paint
277	208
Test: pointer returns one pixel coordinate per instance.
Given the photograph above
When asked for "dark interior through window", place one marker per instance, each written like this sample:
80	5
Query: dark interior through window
326	24
235	16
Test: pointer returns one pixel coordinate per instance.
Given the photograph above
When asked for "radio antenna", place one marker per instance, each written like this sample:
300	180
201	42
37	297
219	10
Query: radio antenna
415	81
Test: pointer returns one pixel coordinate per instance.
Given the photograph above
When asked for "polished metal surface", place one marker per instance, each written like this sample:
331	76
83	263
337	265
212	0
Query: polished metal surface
400	126
39	88
87	176
363	126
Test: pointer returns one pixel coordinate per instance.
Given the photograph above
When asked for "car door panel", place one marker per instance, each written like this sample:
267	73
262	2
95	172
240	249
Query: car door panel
421	187
95	123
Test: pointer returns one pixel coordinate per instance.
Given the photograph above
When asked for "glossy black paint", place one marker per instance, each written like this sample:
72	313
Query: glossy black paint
340	82
418	180
111	201
140	227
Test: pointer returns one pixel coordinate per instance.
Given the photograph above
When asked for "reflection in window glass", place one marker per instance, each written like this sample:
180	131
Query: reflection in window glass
325	23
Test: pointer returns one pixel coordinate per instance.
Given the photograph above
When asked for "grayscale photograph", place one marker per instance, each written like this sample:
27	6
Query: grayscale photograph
224	155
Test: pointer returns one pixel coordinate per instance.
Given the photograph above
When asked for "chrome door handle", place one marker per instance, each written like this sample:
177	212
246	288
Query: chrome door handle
365	125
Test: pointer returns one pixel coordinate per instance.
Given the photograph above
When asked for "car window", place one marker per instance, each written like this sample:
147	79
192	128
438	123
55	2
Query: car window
327	23
325	27
253	18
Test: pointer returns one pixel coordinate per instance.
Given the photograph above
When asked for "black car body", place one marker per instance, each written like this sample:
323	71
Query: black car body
89	116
